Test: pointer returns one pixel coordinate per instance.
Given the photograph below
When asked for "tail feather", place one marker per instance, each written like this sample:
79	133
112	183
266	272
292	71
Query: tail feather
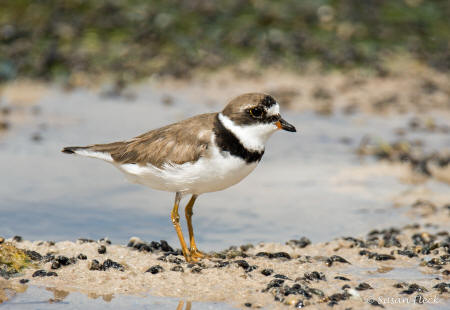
72	149
94	151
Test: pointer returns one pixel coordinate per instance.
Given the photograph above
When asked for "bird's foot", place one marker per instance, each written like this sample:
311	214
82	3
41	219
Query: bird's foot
195	253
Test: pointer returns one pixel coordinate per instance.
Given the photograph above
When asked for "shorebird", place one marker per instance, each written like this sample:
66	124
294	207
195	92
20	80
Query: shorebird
205	153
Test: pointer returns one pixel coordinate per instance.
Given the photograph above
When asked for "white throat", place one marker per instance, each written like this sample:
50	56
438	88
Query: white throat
252	137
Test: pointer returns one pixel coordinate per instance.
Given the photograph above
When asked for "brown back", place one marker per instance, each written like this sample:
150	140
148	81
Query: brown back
178	143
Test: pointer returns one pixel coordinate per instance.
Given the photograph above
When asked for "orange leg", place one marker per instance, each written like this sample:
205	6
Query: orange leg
195	253
176	223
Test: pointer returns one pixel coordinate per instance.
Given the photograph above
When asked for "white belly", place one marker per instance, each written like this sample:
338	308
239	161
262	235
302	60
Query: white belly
208	174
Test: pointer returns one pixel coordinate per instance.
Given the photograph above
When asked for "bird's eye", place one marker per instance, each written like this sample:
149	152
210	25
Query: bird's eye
256	112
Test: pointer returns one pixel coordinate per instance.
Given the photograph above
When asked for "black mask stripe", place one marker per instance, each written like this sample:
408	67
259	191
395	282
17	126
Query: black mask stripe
228	142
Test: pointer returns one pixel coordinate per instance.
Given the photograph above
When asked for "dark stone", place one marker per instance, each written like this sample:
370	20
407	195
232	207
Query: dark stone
316	291
336	258
342	278
408	253
384	257
155	269
267	272
363	286
299	304
39	273
82	256
174	260
222	264
33	255
23	281
101	249
52	274
106	240
339	296
280	276
165	247
281	255
248	305
275	283
144	248
315	276
301	243
63	260
375	303
155	245
242	263
177	268
48	258
196	269
17	239
84	240
55	265
112	264
442	287
95	265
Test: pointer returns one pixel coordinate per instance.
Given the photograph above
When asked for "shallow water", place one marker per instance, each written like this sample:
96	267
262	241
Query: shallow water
36	298
303	178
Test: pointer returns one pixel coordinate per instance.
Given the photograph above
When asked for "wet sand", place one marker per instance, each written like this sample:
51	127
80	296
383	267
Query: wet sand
390	267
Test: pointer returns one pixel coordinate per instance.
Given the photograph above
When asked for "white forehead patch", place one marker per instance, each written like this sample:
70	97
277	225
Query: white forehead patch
273	110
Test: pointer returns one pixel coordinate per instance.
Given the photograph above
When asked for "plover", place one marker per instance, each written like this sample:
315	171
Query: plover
204	153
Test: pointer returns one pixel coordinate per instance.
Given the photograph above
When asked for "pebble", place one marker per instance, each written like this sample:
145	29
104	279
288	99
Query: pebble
339	259
165	246
196	269
315	276
222	264
94	265
17	238
384	257
101	249
242	263
267	272
375	303
43	273
112	264
84	240
281	276
301	243
177	268
273	255
63	260
412	288
299	304
82	256
33	255
23	281
155	269
363	286
105	240
107	264
342	278
442	287
2	240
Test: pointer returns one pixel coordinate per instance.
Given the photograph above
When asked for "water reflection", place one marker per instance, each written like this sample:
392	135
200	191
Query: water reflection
181	304
29	297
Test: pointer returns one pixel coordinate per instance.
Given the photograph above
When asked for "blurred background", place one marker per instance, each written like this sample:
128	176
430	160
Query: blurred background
55	40
365	82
